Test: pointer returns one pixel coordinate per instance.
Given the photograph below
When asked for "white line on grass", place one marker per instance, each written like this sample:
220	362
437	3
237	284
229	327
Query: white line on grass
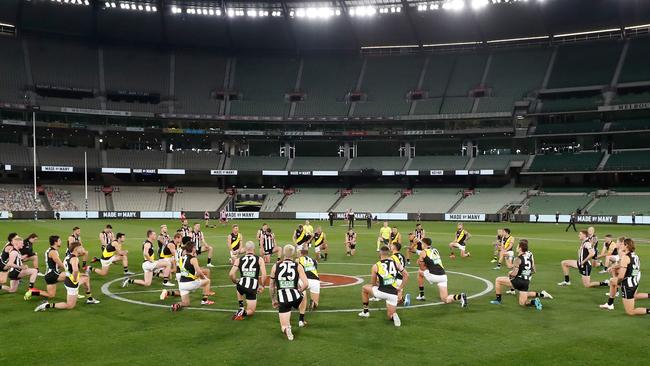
116	296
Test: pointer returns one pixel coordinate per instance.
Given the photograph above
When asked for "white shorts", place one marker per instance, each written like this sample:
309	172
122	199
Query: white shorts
168	260
234	253
398	282
460	246
441	280
178	277
418	252
187	287
149	266
614	258
109	261
317	249
390	298
72	291
510	255
312	285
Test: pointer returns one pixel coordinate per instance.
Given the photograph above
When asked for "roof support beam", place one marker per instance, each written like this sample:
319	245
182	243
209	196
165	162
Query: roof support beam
287	26
406	10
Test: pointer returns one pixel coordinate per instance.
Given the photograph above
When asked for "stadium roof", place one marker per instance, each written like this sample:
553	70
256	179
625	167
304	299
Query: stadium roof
290	25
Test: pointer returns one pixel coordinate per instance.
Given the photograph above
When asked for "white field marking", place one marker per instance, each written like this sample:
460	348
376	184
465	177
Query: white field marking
116	296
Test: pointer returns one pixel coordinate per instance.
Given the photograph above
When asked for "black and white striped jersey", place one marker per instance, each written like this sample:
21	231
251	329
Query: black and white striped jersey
583	252
286	280
526	266
249	271
268	242
633	271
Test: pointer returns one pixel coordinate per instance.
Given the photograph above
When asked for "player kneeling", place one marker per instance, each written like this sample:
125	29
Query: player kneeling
519	279
384	285
252	276
112	253
192	278
311	271
73	278
54	273
150	264
432	270
288	281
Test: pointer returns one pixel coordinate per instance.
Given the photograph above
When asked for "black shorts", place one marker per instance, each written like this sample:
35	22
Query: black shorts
198	250
28	254
385	241
353	246
286	307
13	275
268	251
628	291
51	278
585	270
520	284
250	294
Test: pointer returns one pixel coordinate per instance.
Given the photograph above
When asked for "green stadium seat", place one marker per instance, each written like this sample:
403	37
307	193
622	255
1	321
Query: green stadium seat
575	127
455	105
585	64
635	67
622	205
629	160
584	161
563	203
571	104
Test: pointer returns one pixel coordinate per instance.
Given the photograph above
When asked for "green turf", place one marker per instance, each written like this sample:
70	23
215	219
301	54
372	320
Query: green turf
570	330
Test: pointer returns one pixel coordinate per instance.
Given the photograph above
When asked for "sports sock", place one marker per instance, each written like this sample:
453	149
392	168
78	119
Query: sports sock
50	305
165	279
539	294
512	289
365	307
421	290
325	255
209	260
301	317
532	302
647	310
36	293
457	297
604	283
241	304
566	279
131	280
495	258
31	285
83	264
499	297
610	301
204	298
498	265
126	269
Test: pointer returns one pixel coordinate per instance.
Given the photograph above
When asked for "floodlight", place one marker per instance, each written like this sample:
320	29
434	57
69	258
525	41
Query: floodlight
479	4
252	13
337	12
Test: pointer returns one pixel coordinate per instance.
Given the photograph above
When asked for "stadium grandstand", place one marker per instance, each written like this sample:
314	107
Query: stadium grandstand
463	118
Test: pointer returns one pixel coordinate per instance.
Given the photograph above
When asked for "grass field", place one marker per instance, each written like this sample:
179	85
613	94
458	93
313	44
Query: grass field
571	329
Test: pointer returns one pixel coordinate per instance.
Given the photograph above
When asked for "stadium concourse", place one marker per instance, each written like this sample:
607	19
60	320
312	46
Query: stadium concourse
303	182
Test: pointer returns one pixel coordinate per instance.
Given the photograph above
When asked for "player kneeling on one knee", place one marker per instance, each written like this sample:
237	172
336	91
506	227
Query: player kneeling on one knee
192	278
628	275
583	264
150	264
432	270
252	277
519	279
288	282
384	285
12	264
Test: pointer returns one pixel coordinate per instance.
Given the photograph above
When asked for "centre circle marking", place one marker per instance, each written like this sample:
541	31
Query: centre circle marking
328	280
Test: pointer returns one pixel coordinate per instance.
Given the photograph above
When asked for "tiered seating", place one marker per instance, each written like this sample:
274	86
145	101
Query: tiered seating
147	71
496	162
377	162
429	200
629	160
13	79
61	200
575	127
628	125
263	83
96	200
620	204
311	200
550	204
515	73
56	63
490	200
584	161
68	156
271	201
466	74
456	105
370	200
495	104
437	74
318	163
198	199
571	104
258	163
18	198
428	106
439	162
15	154
145	159
635	67
631	98
585	64
139	199
193	160
326	80
197	78
386	82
